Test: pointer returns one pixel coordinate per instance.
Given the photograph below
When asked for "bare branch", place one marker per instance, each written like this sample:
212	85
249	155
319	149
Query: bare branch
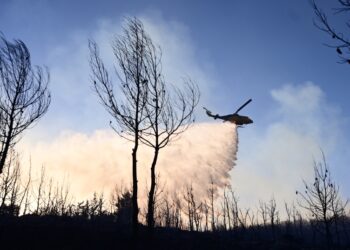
341	41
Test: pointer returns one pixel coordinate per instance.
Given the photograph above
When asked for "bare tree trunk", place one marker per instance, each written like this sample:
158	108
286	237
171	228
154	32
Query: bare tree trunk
4	154
135	208
150	214
211	197
8	140
328	234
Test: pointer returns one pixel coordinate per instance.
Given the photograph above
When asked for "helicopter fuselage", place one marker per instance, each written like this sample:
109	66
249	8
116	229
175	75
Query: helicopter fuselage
235	118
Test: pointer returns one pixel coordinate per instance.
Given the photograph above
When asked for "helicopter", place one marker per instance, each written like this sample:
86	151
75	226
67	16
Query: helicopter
235	118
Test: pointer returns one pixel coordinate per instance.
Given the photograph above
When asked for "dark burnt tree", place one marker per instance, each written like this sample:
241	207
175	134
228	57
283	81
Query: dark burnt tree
169	112
127	103
24	94
322	200
151	112
341	41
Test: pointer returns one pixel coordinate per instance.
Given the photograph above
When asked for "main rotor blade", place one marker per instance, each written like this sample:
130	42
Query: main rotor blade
245	104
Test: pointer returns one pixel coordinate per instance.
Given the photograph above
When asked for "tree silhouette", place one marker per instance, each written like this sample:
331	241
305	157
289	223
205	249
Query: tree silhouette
24	94
128	108
322	200
169	112
152	113
124	208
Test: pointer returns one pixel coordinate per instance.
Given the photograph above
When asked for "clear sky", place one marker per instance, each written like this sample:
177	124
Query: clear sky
269	51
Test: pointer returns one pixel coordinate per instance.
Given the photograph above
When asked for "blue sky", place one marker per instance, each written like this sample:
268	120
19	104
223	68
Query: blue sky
266	50
251	46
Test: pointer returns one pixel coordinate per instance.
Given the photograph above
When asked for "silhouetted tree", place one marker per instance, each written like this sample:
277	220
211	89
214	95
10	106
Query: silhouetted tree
124	208
211	192
341	41
226	211
10	186
193	210
234	208
273	216
128	108
288	222
152	113
169	112
322	200
24	94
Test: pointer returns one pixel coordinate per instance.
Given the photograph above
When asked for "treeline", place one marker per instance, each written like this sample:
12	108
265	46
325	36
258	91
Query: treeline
319	218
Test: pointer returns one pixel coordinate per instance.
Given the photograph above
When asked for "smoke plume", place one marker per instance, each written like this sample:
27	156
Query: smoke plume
203	154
